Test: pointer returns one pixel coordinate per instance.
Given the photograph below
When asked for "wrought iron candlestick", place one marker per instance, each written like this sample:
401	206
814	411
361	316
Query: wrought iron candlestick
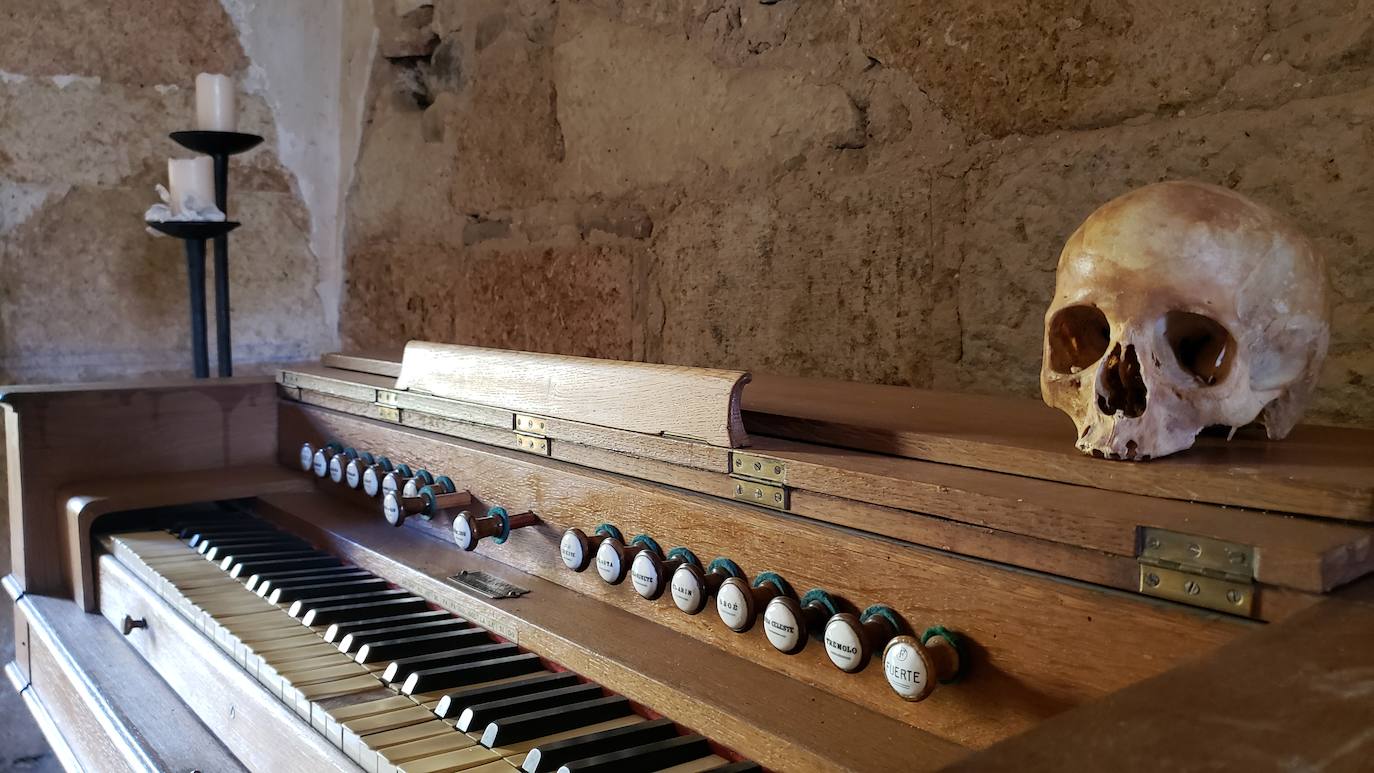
219	146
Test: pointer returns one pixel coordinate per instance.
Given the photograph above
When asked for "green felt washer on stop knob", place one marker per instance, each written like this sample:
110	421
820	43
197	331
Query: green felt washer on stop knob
468	530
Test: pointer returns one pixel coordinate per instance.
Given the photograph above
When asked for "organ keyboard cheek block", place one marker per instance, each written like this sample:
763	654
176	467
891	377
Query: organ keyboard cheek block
477	560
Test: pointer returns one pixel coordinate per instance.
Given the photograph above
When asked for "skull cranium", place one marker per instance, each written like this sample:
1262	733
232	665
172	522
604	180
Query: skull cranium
1180	306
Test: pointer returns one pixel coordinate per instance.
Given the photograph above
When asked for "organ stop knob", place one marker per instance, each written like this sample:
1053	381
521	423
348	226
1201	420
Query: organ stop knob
469	529
850	641
337	462
375	474
693	586
578	550
789	623
914	667
738	603
319	463
613	557
439	495
651	572
353	471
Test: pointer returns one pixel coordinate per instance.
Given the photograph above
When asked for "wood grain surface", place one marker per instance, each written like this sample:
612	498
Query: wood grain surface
59	435
697	403
1321	471
1042	645
1294	696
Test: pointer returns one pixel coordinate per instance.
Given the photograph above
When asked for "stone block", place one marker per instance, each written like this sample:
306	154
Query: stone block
642	109
135	44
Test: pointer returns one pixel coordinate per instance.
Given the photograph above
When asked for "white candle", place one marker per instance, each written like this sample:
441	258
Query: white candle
194	177
215	103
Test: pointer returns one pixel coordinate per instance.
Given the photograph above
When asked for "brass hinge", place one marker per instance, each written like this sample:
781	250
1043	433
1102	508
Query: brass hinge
388	398
1200	571
759	480
529	434
388	413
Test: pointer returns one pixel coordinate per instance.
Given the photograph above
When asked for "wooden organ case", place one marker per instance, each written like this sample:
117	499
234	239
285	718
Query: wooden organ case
470	559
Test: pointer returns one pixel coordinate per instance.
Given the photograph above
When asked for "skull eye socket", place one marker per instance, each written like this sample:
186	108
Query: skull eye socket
1078	337
1201	346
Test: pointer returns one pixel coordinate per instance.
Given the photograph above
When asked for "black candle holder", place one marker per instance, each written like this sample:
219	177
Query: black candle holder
218	146
194	234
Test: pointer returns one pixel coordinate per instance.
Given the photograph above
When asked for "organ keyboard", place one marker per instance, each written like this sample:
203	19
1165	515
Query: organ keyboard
493	561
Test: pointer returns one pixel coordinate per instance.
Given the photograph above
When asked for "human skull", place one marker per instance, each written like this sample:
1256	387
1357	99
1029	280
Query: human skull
1180	306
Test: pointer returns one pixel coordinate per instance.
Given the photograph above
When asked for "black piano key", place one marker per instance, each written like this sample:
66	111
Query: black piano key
263	582
236	558
743	766
187	529
480	715
431	679
320	590
523	727
550	756
335	633
351	641
650	756
319	616
343	597
339	574
419	644
250	568
454	703
203	537
397	670
217	551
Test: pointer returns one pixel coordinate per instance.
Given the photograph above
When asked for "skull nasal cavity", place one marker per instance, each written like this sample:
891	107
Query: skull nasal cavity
1121	390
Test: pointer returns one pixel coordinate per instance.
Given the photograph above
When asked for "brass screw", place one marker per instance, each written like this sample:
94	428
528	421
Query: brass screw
739	462
739	489
1192	587
1154	543
777	469
1195	550
1234	596
758	466
1152	580
777	498
1237	557
758	493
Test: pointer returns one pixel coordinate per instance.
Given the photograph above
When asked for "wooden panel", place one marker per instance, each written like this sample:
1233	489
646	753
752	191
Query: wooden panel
110	708
60	749
59	435
88	501
1042	645
266	734
1294	696
1321	471
386	363
764	715
696	403
1001	517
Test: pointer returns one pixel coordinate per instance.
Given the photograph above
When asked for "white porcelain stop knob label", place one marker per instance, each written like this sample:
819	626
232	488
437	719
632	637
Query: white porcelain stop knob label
321	467
391	482
336	468
462	533
908	672
608	562
732	606
842	644
686	590
412	488
351	472
391	508
783	629
644	575
371	483
571	551
307	457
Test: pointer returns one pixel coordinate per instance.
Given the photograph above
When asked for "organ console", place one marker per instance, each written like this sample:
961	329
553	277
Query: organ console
202	579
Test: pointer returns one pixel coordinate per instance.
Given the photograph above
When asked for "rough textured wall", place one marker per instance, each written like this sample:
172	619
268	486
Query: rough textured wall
88	93
865	190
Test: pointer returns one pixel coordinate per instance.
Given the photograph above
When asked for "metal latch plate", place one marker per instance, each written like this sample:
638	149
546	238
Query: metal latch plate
1218	593
532	443
756	493
758	467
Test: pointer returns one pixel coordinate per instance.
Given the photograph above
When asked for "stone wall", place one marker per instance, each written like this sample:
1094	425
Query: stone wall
88	93
863	190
